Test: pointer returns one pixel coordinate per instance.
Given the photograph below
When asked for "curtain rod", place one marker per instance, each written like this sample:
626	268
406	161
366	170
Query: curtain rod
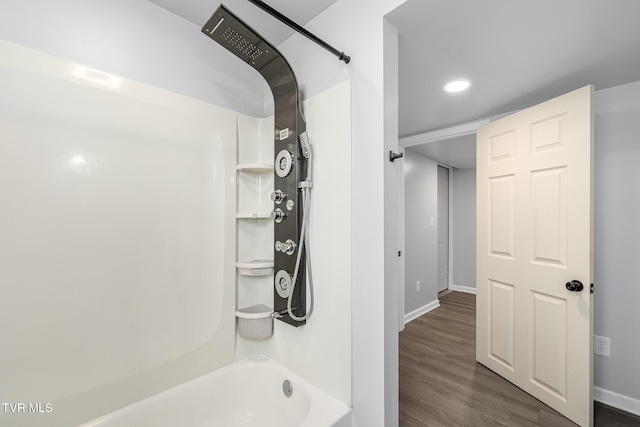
271	11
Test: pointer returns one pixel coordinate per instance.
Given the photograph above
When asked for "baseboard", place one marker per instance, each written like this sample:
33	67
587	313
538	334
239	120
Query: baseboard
463	289
617	400
422	310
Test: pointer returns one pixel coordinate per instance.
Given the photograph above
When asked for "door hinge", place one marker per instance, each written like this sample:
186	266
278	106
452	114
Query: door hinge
399	253
591	291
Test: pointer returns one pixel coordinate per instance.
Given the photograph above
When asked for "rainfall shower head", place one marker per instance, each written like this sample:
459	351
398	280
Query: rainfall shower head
244	42
238	38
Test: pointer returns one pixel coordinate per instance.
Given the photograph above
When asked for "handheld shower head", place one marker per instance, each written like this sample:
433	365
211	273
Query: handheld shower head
304	145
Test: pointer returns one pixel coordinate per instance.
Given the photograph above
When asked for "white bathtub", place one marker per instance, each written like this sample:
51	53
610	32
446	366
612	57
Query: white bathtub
246	393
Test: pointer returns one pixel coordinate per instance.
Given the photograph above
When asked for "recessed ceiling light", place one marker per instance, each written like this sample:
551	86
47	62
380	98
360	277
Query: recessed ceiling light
457	85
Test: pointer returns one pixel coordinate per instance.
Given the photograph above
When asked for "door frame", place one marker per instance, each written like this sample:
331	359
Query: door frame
401	229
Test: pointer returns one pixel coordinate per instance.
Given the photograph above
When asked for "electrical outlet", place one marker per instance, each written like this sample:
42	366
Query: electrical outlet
418	286
602	346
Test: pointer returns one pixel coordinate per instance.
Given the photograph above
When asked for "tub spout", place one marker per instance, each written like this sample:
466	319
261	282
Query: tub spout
279	314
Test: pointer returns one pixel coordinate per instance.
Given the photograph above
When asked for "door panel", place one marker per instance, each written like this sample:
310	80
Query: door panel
501	214
549	349
549	216
534	228
502	323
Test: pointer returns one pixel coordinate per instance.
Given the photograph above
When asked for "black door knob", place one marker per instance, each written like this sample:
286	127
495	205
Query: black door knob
574	286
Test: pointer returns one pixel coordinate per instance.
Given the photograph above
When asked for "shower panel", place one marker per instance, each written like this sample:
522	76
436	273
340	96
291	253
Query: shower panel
290	163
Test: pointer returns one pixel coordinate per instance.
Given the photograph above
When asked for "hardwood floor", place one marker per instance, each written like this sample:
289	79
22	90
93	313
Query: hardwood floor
442	385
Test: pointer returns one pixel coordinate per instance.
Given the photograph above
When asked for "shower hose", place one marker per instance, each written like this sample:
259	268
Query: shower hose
305	187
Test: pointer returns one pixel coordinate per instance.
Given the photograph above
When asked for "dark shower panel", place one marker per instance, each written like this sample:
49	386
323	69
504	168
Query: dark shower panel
290	166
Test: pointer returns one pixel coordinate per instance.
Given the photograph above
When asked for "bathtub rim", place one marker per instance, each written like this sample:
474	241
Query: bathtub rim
318	414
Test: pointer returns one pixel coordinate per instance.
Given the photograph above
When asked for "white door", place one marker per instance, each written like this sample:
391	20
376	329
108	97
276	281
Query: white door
443	228
534	236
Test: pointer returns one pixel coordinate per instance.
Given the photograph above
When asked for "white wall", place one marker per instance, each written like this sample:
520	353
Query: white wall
138	40
359	31
464	228
393	174
617	252
421	240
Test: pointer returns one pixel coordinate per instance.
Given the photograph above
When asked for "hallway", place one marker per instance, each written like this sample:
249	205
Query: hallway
442	385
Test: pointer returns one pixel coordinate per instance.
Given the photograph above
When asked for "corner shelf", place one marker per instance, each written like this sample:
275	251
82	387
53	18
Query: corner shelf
256	267
254	231
255	167
253	215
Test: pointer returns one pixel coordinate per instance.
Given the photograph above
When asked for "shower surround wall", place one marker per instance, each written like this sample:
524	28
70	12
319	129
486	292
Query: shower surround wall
118	256
117	250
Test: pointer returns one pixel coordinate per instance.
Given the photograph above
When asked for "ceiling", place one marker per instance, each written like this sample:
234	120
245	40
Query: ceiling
300	11
458	152
517	53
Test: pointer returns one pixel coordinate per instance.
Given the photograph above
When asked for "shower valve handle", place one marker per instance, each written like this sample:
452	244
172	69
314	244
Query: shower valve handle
287	247
278	215
278	196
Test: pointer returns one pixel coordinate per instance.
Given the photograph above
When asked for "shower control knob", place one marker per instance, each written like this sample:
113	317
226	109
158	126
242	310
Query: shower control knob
278	215
288	247
278	245
278	196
